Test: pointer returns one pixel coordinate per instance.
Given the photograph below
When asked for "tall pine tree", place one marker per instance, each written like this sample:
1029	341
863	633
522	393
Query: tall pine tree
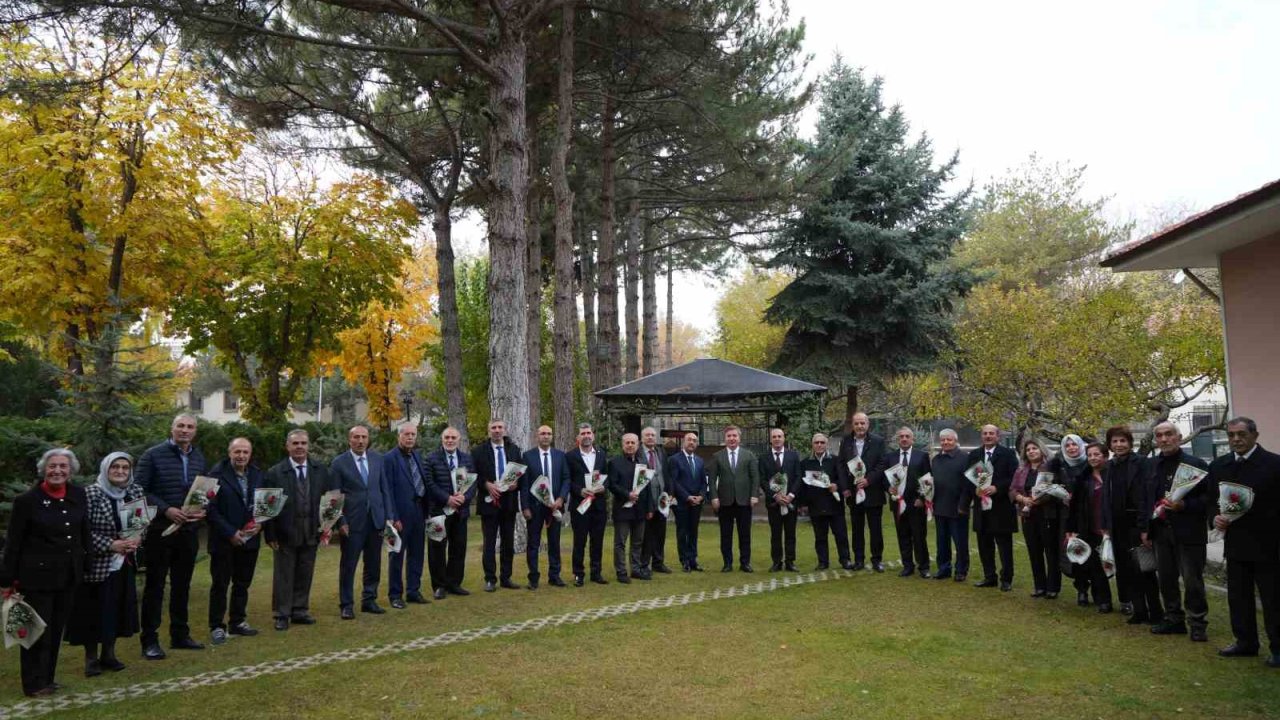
874	288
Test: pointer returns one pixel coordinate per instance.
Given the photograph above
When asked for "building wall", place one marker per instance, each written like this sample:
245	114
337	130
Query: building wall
1251	310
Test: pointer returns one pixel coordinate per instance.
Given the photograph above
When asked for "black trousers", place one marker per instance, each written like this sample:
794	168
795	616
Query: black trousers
1242	577
230	566
363	545
624	530
655	541
1044	545
1175	561
687	523
1141	589
821	523
536	526
1090	577
782	534
172	558
913	538
867	516
988	543
738	516
588	528
447	559
41	660
492	526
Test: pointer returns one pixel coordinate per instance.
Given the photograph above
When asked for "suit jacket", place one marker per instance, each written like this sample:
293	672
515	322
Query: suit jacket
1002	517
820	502
559	477
1080	519
790	467
917	466
577	479
1124	492
730	486
1190	526
283	529
439	481
659	484
873	449
402	500
230	511
1254	537
687	481
364	509
952	491
487	471
621	476
47	541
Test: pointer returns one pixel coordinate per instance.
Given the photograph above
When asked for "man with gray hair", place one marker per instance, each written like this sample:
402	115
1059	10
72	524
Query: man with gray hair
952	496
294	535
164	473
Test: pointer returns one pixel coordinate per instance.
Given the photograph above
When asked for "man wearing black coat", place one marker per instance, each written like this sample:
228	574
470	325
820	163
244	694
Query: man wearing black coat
826	510
861	443
1252	547
952	497
995	527
233	545
655	528
910	516
782	528
1125	489
446	559
1179	535
588	527
294	535
498	510
164	473
628	522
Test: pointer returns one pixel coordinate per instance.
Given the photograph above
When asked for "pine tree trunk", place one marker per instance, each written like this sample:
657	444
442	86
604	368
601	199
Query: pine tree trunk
533	286
450	334
850	405
564	342
509	177
649	286
633	286
670	362
607	342
594	371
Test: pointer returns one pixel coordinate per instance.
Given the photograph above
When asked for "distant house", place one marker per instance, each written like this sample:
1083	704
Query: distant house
223	406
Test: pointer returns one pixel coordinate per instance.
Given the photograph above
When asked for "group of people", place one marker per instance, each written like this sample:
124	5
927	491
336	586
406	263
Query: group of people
66	553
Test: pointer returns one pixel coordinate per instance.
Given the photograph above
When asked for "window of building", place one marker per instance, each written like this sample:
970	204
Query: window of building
230	402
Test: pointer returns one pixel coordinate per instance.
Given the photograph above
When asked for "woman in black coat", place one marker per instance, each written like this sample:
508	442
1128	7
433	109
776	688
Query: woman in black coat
44	557
1041	520
1085	521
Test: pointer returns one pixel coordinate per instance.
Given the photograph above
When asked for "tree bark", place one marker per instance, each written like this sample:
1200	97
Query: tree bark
587	250
607	341
564	342
633	287
850	405
649	286
450	334
670	309
533	286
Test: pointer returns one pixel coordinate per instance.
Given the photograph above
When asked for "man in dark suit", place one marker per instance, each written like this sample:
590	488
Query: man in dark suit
1124	490
628	522
655	529
782	528
1179	536
688	477
584	460
826	511
497	510
294	535
164	473
995	527
405	478
1252	547
909	515
952	497
446	559
861	443
366	509
734	485
549	462
233	547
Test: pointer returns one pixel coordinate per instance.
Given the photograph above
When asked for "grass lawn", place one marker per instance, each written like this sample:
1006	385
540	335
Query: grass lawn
865	646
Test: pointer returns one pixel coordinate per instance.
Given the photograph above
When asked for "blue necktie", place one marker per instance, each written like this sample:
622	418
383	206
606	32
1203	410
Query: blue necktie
364	472
502	461
452	466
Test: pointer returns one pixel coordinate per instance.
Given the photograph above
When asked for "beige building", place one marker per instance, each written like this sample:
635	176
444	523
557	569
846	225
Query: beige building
1240	237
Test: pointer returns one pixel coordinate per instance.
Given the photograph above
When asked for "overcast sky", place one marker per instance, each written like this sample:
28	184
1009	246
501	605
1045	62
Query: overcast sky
1167	103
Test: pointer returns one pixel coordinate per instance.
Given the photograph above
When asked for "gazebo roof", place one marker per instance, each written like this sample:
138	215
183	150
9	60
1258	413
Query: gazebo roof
709	379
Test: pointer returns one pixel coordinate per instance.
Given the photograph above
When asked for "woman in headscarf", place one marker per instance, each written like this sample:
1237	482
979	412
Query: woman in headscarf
1041	520
1071	467
107	601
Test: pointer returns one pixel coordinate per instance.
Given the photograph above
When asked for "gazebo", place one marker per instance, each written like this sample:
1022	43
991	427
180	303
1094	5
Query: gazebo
706	394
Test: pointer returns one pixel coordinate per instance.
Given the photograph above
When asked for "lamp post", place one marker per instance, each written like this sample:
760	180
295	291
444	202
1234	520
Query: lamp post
406	397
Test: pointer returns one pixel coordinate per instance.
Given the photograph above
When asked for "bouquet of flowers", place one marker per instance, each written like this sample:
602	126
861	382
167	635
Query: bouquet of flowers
330	511
926	494
435	528
267	504
22	624
665	501
639	481
463	481
202	491
778	484
1107	555
897	477
510	478
1234	501
1185	479
1078	550
858	471
593	482
391	538
980	476
135	517
541	489
1046	486
819	479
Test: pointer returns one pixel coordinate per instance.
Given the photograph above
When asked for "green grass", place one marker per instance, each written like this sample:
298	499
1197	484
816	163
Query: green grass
866	646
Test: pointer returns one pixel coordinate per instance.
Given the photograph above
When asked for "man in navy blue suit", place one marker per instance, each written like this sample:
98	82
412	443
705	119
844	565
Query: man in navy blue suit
233	548
406	486
447	558
544	461
366	509
688	477
584	460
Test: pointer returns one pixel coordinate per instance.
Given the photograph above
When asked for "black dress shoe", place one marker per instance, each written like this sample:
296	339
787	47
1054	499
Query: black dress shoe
490	586
418	599
985	583
92	668
441	593
347	613
1006	587
746	567
1051	596
961	577
820	567
458	590
907	572
508	585
112	663
685	567
1105	608
776	567
242	628
1038	593
624	579
924	573
397	603
847	565
791	567
303	619
533	585
153	652
878	567
642	575
42	692
282	623
726	568
662	569
696	567
1237	650
1082	599
599	580
372	608
1169	628
942	576
859	566
577	581
1199	634
1126	608
186	643
557	582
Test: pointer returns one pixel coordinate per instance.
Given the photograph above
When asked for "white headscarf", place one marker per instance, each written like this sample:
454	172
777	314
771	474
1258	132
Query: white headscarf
1073	461
116	493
